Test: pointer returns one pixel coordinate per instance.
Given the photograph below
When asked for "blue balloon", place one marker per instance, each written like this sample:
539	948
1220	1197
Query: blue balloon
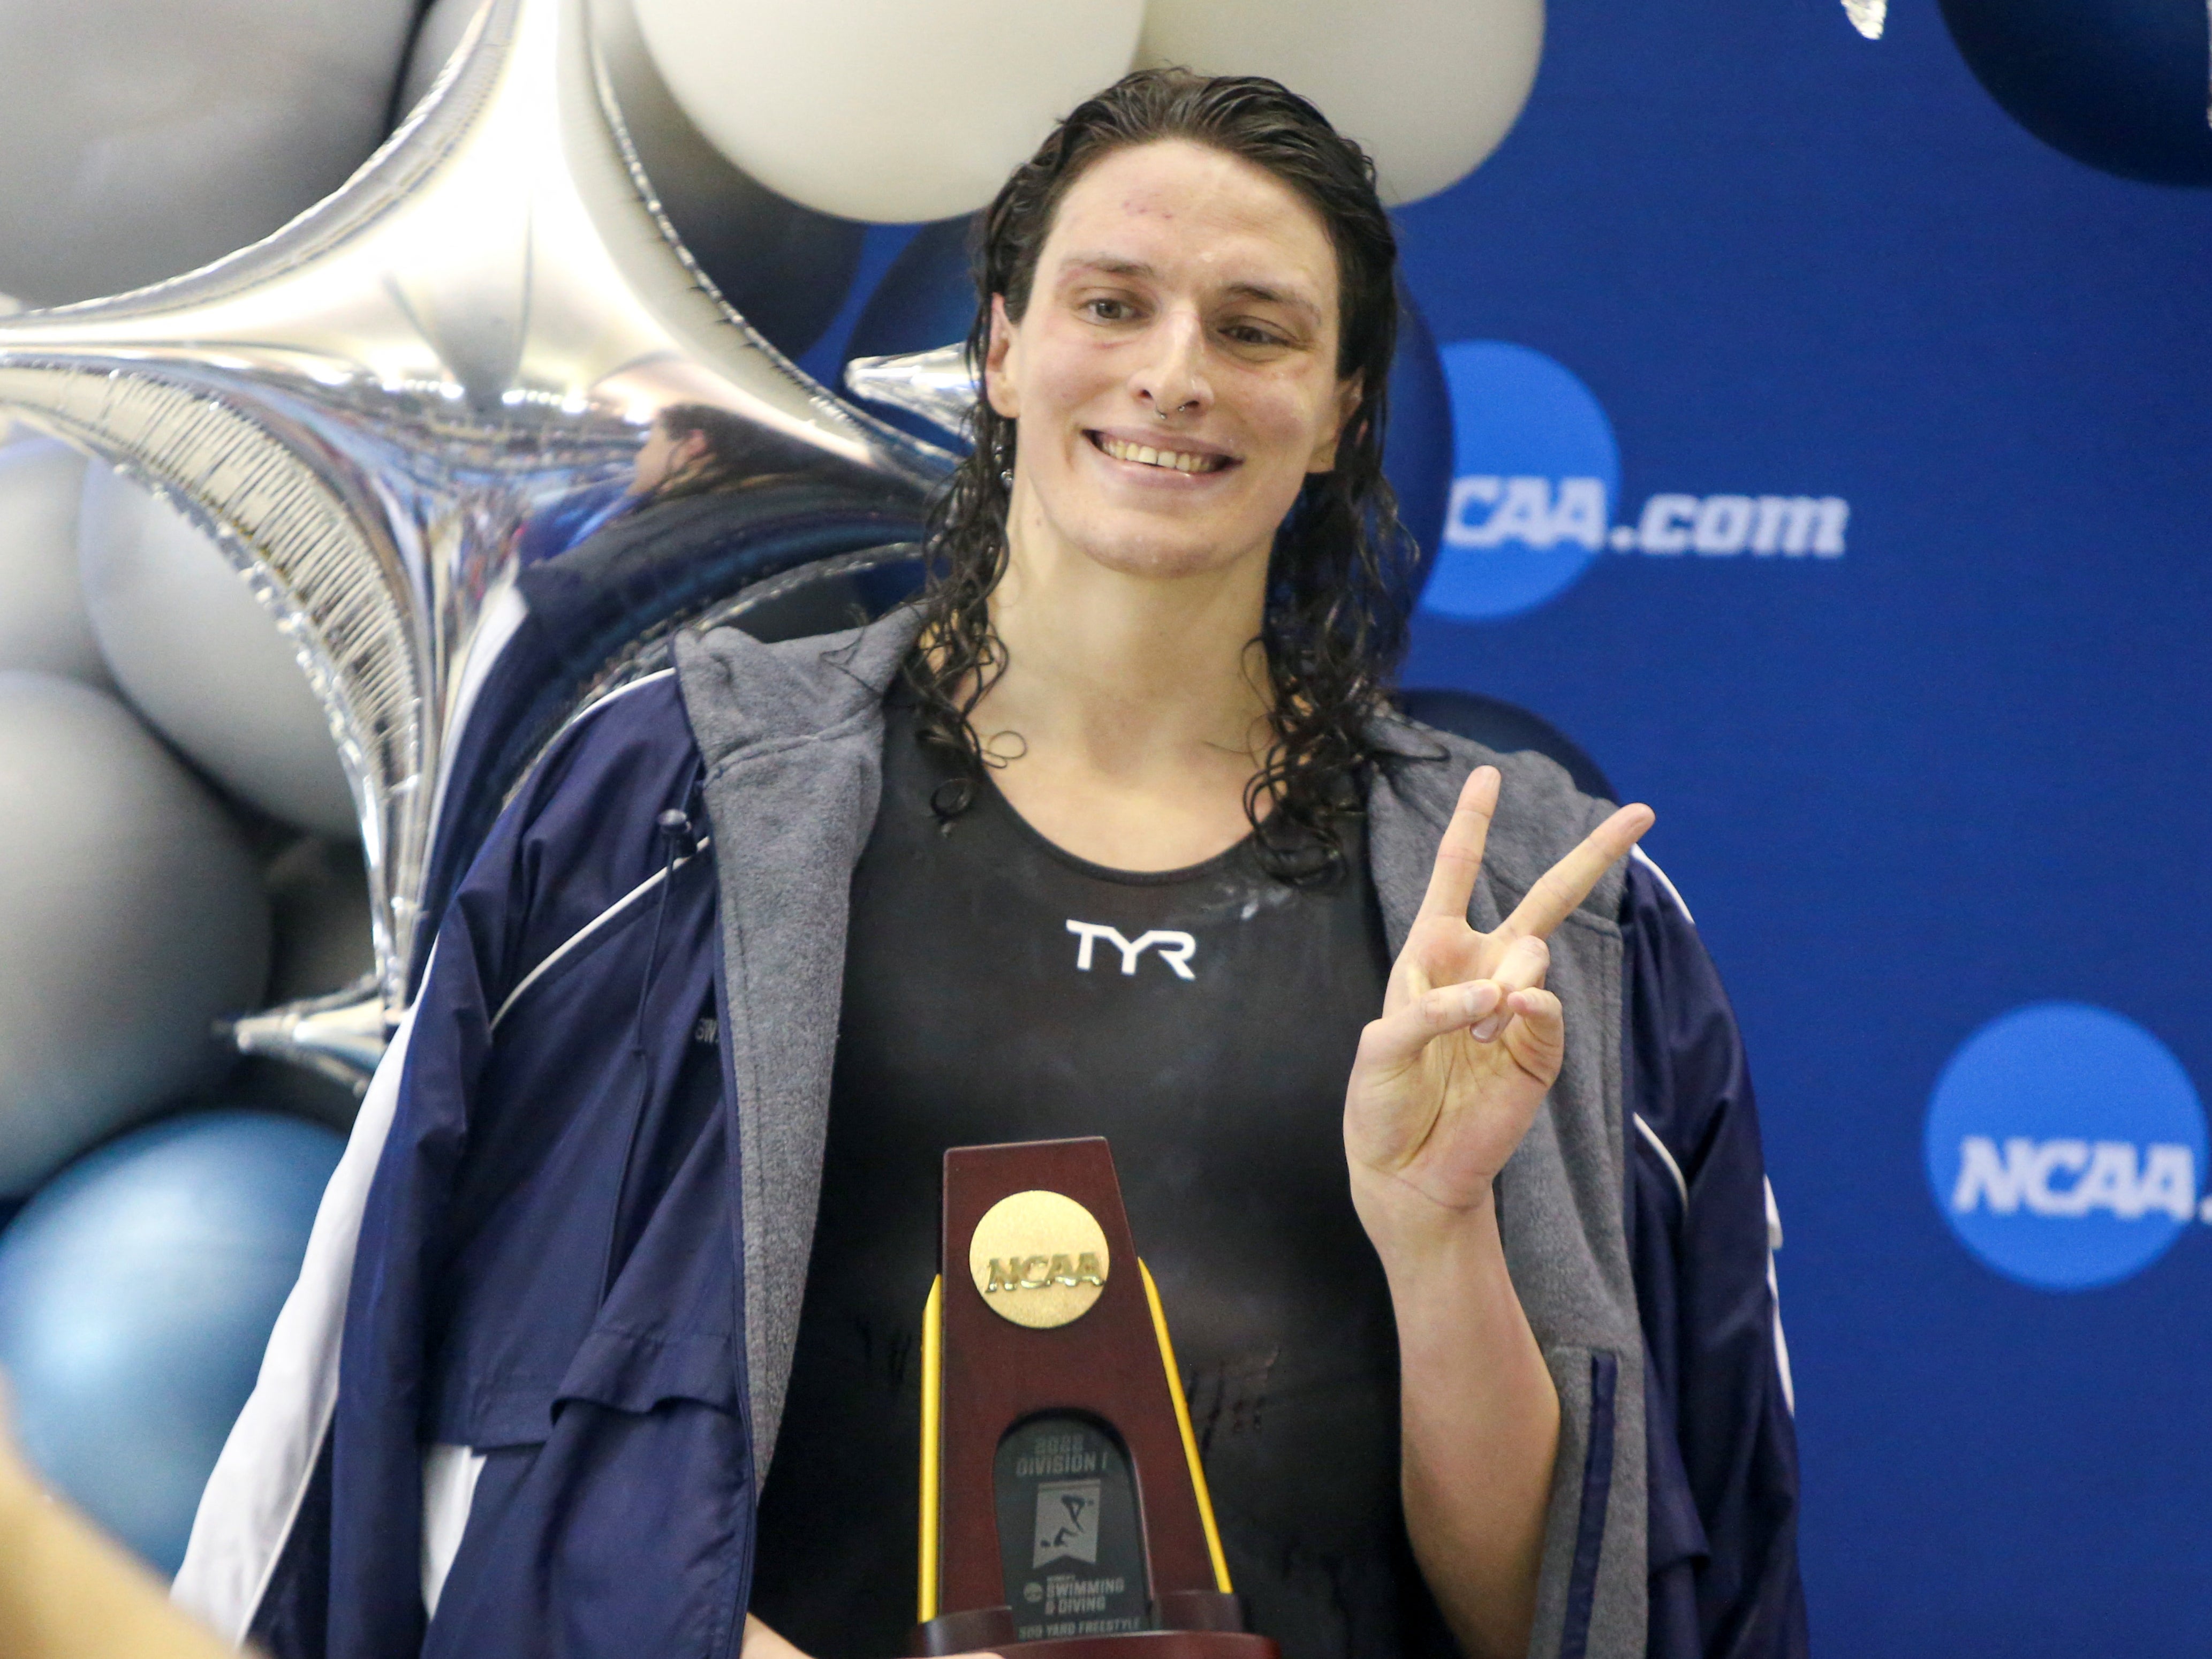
137	1289
2117	84
927	298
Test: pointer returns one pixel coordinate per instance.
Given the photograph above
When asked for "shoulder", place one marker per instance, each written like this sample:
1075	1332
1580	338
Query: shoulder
628	744
1662	935
1689	1079
743	694
1542	815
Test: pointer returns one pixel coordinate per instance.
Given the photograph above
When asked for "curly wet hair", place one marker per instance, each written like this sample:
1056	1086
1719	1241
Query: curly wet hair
1333	626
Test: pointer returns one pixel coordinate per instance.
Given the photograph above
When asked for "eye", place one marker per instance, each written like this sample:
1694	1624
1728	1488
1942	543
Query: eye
1258	337
1105	309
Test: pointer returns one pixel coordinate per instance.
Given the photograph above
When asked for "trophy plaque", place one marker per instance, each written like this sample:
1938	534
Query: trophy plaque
1064	1514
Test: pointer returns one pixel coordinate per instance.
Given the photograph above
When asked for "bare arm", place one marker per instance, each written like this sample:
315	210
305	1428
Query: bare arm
1446	1083
762	1643
67	1593
1480	1430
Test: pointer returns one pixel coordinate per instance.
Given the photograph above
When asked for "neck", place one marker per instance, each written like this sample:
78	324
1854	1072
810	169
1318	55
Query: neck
1133	711
1127	673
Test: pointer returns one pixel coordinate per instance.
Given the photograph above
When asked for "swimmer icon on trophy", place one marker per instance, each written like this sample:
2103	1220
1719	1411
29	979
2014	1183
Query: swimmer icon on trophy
1064	1514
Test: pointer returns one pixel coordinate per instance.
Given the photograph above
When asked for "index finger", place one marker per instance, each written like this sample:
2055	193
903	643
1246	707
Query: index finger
1459	855
1568	883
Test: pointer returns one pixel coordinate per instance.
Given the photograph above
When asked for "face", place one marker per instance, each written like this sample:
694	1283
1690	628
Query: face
1175	373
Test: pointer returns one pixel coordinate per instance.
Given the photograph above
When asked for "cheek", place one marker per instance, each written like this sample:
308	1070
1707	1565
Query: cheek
1291	419
1063	382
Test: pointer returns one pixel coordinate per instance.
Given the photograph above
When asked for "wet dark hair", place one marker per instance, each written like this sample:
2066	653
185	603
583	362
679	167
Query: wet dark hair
1334	623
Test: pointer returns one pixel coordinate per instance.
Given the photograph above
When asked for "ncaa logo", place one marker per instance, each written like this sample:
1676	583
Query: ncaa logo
1537	480
2065	1145
1536	471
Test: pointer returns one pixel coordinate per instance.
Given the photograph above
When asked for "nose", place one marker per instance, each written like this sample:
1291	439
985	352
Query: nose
1171	380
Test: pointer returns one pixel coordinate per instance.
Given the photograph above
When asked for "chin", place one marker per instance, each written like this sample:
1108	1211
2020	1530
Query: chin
1159	557
1164	546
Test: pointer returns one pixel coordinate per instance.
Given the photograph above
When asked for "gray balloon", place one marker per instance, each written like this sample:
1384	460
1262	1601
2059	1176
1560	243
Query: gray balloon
203	659
132	917
318	910
43	625
323	942
144	137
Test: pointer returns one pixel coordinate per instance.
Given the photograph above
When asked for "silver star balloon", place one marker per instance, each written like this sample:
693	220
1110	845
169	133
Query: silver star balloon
936	385
418	419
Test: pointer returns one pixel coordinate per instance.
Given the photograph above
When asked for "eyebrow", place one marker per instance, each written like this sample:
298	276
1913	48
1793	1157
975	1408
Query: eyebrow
1108	266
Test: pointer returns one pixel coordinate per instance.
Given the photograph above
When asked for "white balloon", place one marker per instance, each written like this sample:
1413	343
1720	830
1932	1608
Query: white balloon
131	916
145	137
201	659
1429	87
885	113
43	625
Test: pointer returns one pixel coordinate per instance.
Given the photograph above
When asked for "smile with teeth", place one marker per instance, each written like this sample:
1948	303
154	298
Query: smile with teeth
1173	459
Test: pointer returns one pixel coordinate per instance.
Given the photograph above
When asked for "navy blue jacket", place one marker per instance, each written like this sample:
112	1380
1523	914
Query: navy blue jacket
556	1284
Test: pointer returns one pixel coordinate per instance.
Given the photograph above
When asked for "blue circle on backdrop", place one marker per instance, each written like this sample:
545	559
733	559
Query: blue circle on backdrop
137	1289
2065	1145
1537	472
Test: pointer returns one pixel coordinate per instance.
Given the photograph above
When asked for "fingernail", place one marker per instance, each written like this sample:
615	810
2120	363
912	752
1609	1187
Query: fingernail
1487	1029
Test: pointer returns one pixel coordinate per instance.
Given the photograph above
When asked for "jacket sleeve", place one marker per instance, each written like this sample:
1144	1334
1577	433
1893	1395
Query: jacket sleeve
308	1538
1722	1448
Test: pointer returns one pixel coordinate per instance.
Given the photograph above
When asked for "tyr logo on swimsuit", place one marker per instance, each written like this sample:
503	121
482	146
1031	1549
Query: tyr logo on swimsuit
1174	947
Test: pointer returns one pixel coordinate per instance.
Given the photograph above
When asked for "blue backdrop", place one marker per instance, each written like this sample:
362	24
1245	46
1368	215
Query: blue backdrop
1954	769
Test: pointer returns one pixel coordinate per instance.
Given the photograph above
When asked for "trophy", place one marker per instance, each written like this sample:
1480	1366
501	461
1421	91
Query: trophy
1064	1514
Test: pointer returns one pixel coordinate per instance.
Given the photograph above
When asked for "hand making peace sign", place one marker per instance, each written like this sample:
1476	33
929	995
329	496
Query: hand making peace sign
1449	1077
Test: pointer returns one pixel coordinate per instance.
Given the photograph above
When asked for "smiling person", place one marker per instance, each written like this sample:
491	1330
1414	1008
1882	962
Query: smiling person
1428	1113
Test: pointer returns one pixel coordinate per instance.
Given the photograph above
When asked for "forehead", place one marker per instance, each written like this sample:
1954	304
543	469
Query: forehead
1193	214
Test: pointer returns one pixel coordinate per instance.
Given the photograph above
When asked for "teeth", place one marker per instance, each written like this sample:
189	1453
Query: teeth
1176	460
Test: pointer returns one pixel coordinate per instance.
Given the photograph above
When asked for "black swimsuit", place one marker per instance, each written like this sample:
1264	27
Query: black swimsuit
1204	1020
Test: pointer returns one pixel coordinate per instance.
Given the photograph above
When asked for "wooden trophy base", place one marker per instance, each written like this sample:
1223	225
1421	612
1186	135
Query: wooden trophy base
1131	1644
991	1629
1051	1400
1148	1644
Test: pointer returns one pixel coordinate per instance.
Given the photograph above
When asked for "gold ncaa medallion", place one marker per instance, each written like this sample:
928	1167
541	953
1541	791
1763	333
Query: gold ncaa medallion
1039	1259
